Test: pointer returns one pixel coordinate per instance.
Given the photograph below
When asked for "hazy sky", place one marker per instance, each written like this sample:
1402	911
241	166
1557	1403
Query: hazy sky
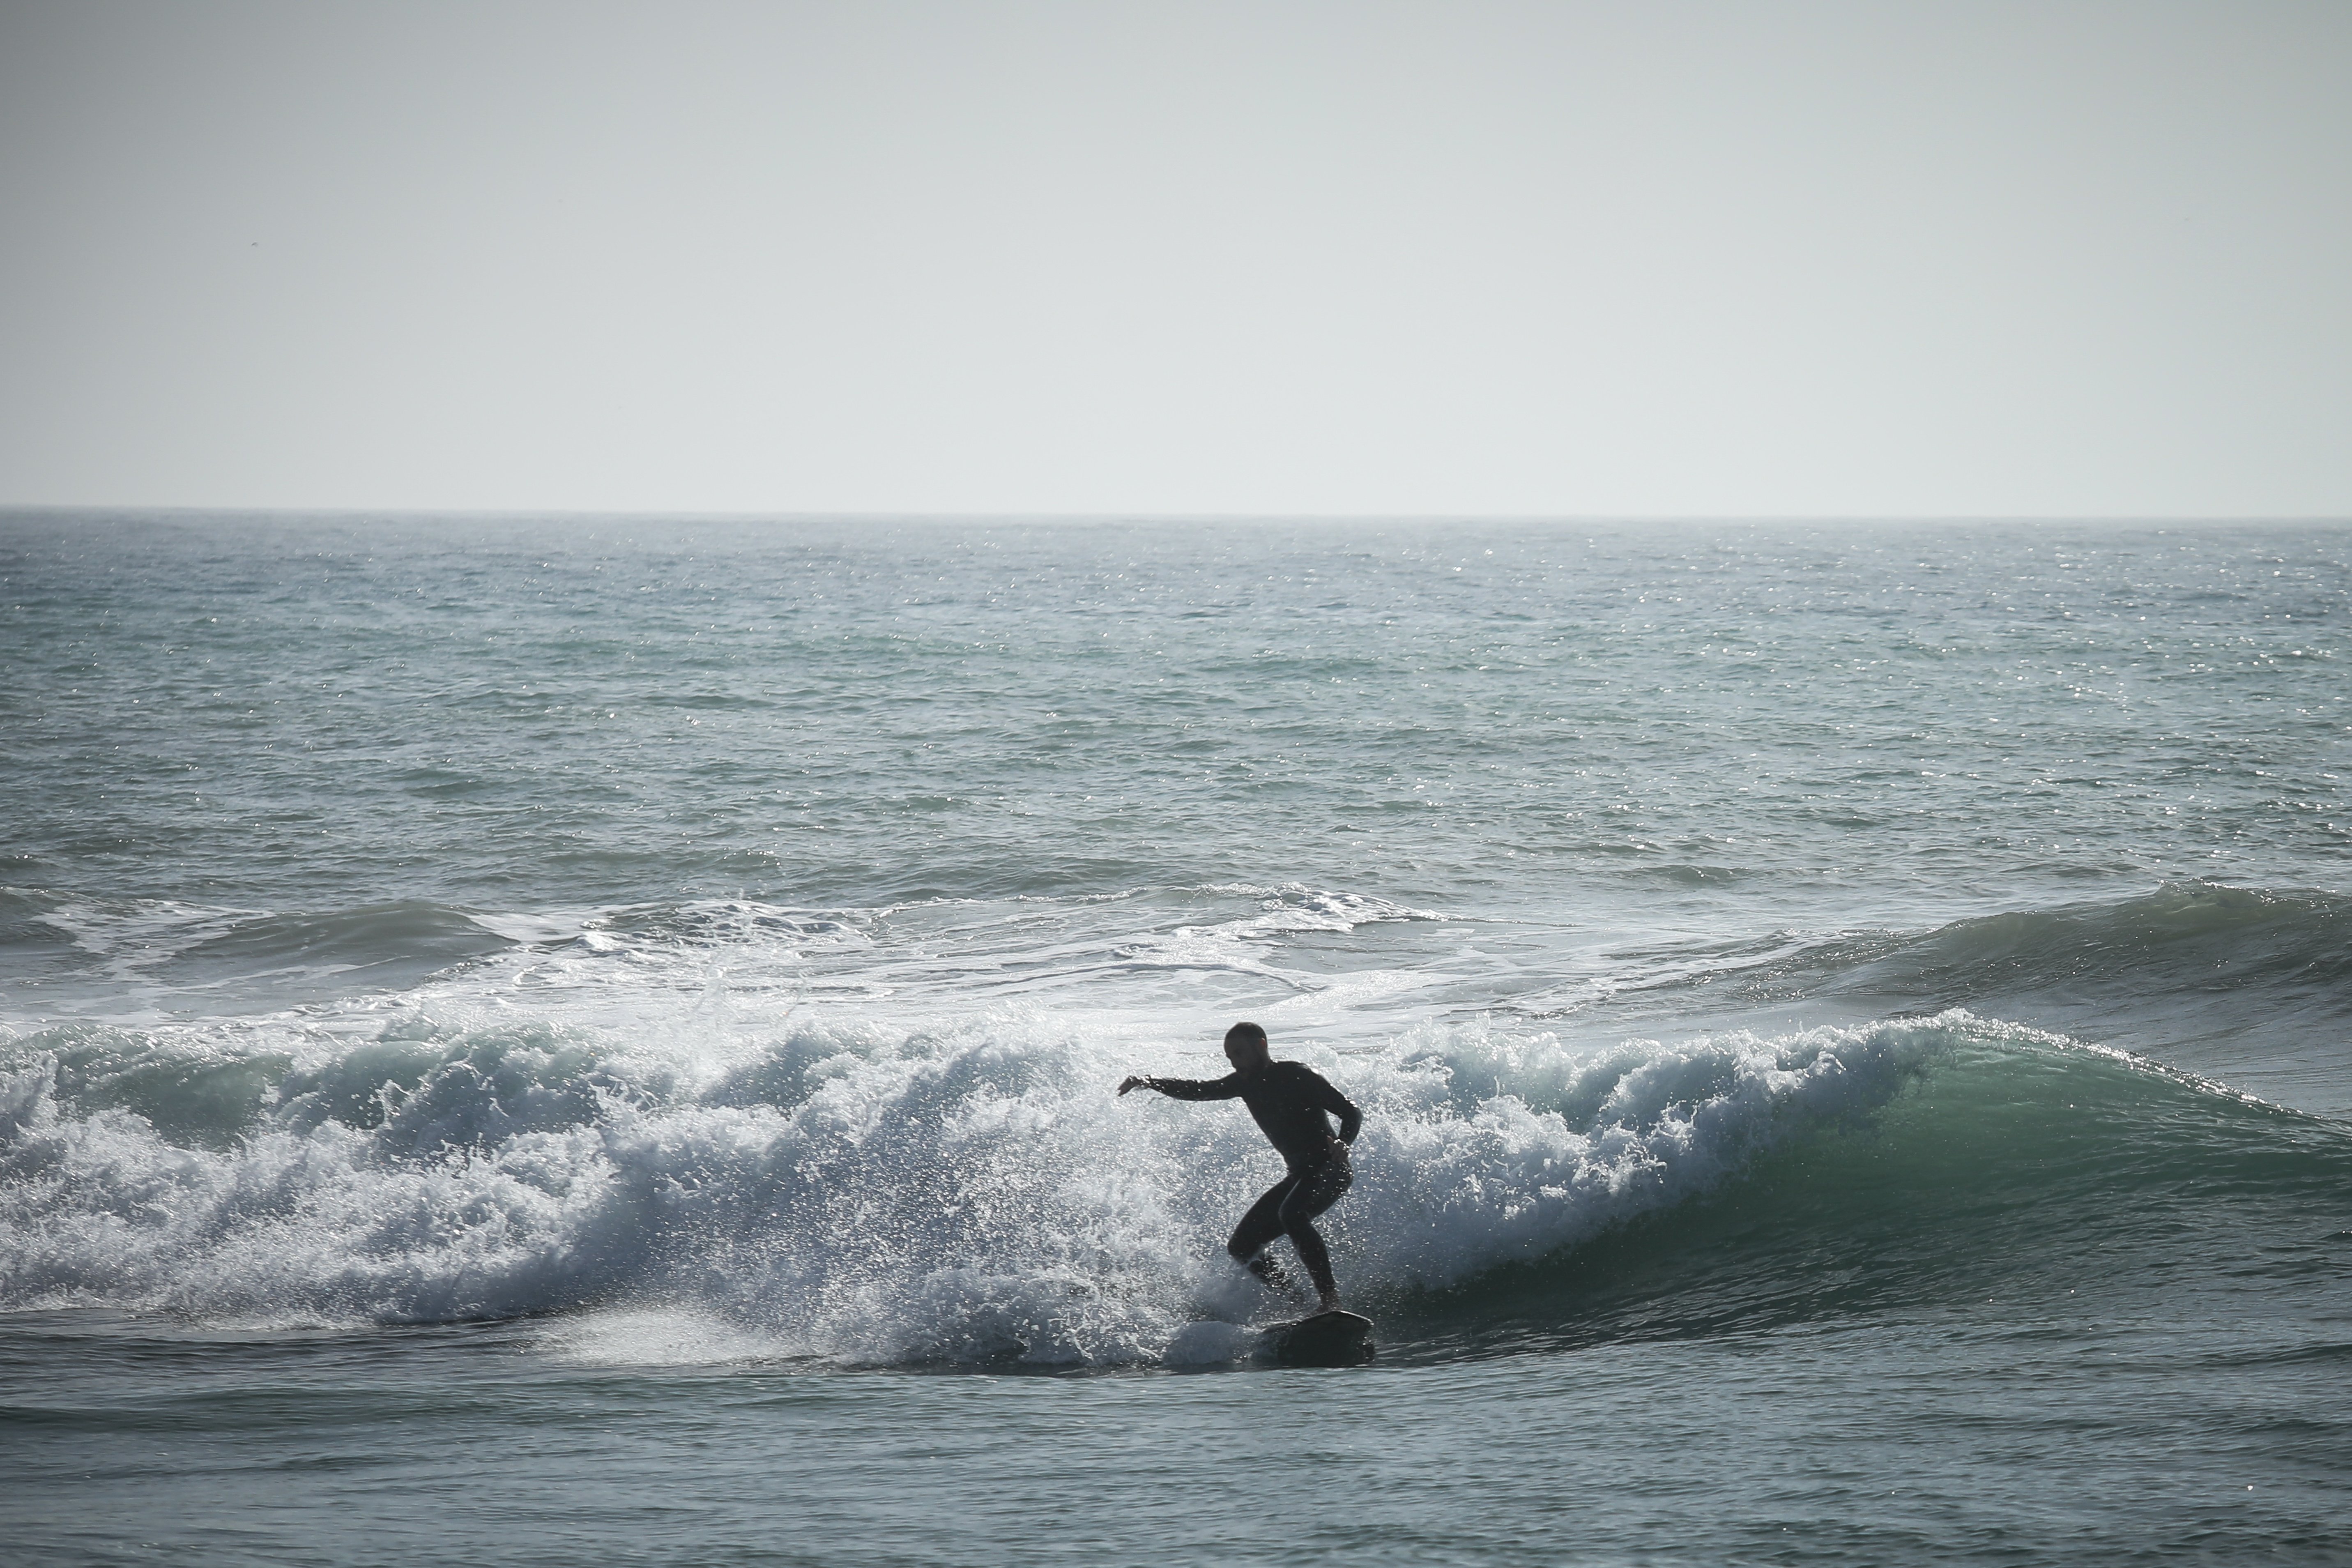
1458	257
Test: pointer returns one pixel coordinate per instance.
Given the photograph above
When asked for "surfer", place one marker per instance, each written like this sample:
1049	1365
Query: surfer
1287	1100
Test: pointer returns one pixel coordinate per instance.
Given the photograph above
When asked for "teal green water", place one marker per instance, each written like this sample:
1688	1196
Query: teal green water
591	1041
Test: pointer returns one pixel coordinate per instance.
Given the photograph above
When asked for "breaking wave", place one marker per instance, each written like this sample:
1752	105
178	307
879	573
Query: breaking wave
855	1192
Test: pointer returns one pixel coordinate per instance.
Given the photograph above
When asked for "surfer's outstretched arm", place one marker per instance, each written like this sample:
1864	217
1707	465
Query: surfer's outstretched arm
1226	1087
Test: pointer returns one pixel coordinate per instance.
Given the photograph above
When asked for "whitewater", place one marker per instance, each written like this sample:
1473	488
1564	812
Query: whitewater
594	1039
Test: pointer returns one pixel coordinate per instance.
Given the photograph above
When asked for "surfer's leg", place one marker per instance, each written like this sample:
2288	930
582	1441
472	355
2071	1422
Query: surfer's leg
1309	1196
1260	1225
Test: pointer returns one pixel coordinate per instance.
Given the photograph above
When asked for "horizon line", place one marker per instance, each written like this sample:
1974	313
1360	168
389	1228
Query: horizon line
556	514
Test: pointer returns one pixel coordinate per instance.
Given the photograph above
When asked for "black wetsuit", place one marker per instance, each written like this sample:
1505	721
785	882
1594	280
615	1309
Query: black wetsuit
1287	1100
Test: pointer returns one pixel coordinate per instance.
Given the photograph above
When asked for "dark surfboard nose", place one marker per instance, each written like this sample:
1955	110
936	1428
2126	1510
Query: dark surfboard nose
1327	1339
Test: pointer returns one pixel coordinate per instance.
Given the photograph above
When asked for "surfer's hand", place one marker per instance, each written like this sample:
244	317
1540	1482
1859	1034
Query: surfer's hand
1127	1083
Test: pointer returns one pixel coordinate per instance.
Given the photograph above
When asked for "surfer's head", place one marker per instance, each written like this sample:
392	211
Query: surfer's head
1246	1047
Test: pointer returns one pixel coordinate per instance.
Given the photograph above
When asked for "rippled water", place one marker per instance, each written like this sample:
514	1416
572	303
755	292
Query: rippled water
592	1039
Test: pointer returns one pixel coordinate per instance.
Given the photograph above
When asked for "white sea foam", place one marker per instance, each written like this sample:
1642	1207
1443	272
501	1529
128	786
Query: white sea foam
831	1184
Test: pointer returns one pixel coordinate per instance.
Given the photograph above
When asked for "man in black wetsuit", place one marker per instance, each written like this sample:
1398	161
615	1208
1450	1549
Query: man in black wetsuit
1287	1100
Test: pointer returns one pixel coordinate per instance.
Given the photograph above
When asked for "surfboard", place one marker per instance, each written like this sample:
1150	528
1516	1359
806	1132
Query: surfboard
1327	1339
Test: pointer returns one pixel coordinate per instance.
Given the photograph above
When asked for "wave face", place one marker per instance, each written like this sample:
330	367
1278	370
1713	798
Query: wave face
2042	1181
866	1192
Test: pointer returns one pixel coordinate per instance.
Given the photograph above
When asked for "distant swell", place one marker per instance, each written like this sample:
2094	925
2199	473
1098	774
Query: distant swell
2187	937
2250	985
154	950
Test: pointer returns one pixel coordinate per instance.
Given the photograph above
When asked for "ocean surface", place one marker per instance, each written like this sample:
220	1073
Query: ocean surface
591	1041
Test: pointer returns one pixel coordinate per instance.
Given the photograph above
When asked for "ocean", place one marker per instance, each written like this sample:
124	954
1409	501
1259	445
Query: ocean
593	1040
